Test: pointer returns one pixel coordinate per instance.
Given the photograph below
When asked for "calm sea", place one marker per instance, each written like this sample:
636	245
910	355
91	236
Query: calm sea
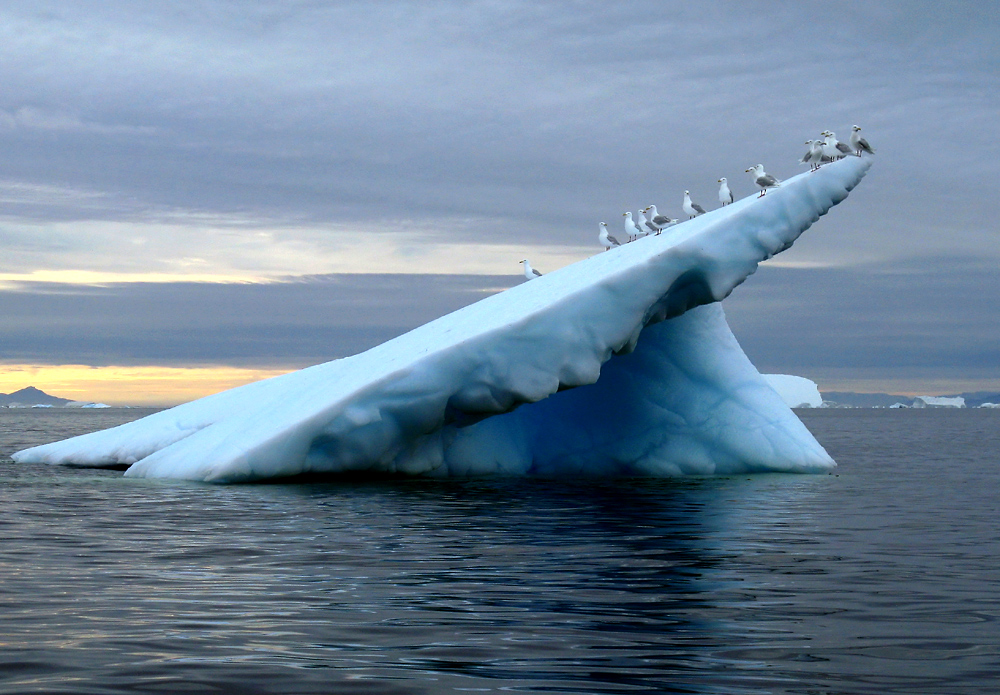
881	578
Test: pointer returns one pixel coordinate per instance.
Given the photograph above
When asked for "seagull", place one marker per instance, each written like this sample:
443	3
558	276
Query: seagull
725	195
644	224
659	221
607	241
858	143
630	228
530	272
649	222
833	148
814	157
692	209
763	179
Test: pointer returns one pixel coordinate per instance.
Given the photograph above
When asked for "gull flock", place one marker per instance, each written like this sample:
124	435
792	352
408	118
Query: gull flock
650	221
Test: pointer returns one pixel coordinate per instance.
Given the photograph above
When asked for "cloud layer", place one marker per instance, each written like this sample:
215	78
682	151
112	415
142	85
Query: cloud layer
253	141
489	122
898	324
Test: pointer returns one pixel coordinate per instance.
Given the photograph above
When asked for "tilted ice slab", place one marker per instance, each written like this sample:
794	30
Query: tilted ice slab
440	400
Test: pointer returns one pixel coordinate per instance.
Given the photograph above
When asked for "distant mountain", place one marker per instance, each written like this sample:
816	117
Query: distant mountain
31	396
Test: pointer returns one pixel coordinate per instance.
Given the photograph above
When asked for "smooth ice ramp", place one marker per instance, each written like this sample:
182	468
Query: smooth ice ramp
442	400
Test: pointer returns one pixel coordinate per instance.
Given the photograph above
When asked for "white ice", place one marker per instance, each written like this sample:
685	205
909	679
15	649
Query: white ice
795	391
661	387
938	402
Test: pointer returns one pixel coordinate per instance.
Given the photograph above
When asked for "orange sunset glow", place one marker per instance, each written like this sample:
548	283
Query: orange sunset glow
138	386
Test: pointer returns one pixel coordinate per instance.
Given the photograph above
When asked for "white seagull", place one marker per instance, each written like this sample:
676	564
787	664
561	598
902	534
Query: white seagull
725	195
661	222
631	230
649	222
644	224
692	209
530	272
834	148
607	241
814	157
762	179
858	143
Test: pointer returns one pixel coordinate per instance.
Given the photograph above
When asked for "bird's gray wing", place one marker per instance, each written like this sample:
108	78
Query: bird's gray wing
613	240
652	227
537	274
844	147
806	157
766	181
730	196
865	146
661	220
697	208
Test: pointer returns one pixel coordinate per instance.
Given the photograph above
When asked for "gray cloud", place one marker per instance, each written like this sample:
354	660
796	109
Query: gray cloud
537	120
285	325
484	122
908	319
912	319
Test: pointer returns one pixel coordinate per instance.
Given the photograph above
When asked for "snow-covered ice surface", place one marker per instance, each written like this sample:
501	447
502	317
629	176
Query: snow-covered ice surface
795	391
440	399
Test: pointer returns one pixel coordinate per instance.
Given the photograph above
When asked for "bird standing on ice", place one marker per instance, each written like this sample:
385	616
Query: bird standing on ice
649	222
858	143
529	272
725	195
607	241
692	209
631	230
644	224
834	148
659	221
762	179
814	157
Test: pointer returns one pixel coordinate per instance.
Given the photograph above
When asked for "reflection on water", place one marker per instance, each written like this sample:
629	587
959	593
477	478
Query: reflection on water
876	579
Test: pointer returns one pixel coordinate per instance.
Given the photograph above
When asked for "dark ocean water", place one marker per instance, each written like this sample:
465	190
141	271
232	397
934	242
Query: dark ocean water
882	578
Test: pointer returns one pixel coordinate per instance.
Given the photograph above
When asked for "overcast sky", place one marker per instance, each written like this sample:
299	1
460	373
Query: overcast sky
256	141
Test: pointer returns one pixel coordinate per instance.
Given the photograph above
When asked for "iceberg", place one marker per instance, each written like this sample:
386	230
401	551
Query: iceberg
620	364
938	402
795	391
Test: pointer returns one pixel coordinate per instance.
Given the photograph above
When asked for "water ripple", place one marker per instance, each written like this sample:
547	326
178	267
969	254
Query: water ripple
877	579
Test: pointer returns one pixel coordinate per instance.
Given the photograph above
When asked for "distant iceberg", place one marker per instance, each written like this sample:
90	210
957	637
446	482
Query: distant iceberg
795	391
621	364
938	402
